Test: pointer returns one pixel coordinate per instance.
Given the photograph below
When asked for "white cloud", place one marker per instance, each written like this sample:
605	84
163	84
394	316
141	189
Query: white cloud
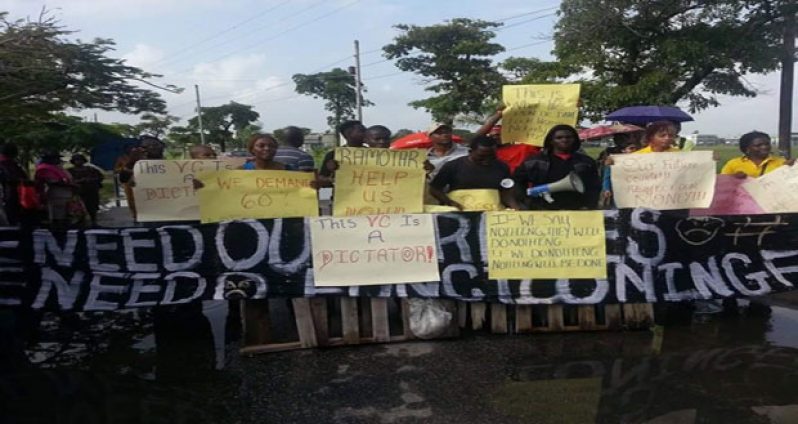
144	56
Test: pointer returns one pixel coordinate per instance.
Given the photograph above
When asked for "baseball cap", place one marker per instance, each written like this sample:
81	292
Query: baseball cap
436	126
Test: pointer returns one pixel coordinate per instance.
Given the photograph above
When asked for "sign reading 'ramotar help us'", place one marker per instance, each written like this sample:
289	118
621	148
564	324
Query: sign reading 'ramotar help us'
378	181
550	244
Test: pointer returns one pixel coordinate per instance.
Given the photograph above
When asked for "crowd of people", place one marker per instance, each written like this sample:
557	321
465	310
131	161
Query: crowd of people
70	197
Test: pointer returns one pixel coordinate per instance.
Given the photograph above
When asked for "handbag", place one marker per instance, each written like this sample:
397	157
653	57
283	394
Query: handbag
28	196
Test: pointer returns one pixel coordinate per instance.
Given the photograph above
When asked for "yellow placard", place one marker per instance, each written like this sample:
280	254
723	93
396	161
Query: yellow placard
164	189
776	191
533	109
546	244
378	181
477	200
229	195
439	209
665	181
373	249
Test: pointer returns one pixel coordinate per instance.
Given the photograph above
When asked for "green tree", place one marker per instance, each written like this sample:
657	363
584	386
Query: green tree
336	88
629	52
278	133
455	58
243	135
401	133
221	124
156	125
43	73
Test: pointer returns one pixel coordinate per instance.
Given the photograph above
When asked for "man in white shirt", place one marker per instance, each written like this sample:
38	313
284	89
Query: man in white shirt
443	149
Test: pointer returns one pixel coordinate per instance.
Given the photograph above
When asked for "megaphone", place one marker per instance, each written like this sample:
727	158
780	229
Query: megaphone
571	182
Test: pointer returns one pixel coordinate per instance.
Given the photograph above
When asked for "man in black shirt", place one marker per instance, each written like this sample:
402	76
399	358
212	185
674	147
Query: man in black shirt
479	170
355	134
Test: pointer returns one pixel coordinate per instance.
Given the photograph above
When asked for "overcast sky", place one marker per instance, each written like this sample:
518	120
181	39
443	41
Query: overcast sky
247	50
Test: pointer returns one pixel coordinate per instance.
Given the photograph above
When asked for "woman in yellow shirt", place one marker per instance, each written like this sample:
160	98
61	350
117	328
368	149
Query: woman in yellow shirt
659	137
756	159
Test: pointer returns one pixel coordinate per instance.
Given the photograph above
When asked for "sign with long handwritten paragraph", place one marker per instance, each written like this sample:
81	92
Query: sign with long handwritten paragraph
378	181
776	191
373	249
664	180
550	244
164	189
477	200
229	195
533	109
730	199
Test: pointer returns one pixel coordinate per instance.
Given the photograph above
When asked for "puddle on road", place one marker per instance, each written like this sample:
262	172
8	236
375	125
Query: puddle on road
106	368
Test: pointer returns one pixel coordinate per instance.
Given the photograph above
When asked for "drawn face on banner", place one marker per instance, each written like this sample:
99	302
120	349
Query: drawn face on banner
698	231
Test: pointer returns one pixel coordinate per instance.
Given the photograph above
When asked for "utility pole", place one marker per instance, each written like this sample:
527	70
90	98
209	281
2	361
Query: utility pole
786	90
358	84
199	114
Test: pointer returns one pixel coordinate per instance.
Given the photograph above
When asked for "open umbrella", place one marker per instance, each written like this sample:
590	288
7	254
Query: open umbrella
642	115
419	140
602	131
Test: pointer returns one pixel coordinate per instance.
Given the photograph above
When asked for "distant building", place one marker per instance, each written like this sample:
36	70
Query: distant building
317	140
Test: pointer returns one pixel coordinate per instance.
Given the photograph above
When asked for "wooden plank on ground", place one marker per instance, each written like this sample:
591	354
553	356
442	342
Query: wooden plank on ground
462	313
454	328
379	320
555	318
349	321
477	315
587	317
612	317
304	322
523	318
257	325
498	318
318	308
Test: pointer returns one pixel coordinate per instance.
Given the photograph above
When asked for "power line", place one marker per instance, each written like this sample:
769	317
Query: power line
524	22
280	34
526	14
218	34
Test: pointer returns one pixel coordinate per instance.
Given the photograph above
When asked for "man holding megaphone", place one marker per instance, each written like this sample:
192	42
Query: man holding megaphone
559	177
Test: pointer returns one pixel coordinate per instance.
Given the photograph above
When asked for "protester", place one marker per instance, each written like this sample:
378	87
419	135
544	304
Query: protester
12	176
202	152
508	152
756	160
623	145
150	148
289	152
443	149
355	135
88	180
58	192
263	148
478	170
378	136
558	159
660	136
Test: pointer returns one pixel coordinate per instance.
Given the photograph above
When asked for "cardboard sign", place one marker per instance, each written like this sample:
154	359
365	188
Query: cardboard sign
378	181
229	195
477	200
533	109
664	180
730	199
550	244
373	249
776	191
164	189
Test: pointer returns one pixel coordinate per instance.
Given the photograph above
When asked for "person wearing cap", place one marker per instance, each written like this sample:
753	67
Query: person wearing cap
479	170
444	149
88	181
511	154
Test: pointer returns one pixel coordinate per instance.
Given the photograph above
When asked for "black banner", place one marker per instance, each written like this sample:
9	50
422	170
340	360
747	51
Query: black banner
652	257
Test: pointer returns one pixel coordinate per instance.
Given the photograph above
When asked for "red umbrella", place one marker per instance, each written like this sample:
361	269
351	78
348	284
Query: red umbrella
602	131
419	140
